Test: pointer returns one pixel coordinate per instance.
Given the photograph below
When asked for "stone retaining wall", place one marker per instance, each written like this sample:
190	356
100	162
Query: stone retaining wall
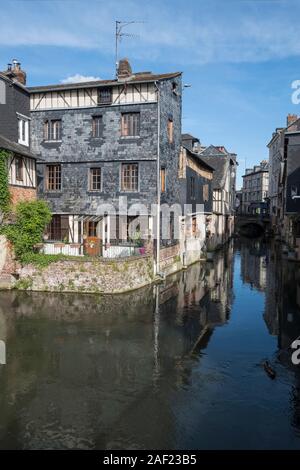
98	276
8	265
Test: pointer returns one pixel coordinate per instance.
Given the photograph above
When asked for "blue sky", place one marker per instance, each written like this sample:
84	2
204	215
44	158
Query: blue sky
239	56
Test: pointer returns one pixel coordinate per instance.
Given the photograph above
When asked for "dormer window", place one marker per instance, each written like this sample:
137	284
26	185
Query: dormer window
23	130
104	95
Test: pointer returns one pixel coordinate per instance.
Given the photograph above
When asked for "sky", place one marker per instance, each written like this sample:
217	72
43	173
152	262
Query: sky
240	57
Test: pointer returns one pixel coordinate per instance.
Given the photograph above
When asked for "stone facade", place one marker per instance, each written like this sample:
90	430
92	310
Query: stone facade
78	151
255	189
284	158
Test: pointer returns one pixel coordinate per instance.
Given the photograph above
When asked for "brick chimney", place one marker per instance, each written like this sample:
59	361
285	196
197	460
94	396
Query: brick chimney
290	119
14	72
124	69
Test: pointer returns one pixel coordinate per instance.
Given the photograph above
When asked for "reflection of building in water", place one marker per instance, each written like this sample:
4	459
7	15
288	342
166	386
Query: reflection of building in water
253	264
81	367
272	293
220	280
282	317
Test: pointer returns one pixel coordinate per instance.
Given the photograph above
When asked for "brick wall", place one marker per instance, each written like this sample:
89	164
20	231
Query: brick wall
21	194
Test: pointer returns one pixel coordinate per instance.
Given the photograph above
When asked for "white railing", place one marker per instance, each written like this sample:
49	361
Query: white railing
62	249
118	251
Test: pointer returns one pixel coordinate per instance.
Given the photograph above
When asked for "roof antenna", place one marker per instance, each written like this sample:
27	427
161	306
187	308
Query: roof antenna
120	25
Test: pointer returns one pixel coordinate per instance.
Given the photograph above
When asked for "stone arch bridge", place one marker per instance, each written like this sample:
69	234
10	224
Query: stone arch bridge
252	225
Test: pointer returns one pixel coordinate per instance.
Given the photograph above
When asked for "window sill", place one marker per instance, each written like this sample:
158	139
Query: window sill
54	191
26	144
130	137
52	141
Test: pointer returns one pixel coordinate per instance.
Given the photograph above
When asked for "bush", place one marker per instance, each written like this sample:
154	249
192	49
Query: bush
4	191
31	220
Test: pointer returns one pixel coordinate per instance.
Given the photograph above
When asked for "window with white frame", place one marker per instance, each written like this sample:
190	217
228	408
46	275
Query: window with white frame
23	130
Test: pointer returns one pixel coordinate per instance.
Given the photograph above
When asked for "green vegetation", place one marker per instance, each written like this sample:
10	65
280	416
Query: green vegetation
41	260
4	190
24	284
31	220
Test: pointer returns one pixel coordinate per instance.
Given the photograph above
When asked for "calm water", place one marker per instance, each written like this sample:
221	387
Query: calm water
176	367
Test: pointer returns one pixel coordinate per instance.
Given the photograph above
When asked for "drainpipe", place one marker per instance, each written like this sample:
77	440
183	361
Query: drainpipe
158	182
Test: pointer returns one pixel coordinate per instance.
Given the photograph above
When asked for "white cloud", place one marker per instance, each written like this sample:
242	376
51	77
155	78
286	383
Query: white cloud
77	78
185	31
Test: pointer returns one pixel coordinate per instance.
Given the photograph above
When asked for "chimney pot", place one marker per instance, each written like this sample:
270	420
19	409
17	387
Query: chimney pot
291	118
124	69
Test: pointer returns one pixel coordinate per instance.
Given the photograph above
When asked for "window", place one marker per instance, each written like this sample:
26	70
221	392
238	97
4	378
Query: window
104	96
163	180
205	192
58	229
52	130
130	124
19	168
23	131
53	178
174	88
95	179
192	187
97	126
194	225
170	131
92	229
129	177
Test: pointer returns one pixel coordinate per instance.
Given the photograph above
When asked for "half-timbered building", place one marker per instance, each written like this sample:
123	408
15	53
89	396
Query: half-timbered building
15	133
103	142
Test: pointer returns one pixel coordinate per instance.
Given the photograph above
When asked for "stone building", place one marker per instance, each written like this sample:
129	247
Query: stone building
105	144
284	190
15	133
255	189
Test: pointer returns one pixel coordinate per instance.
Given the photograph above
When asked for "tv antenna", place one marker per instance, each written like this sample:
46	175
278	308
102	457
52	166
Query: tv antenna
120	25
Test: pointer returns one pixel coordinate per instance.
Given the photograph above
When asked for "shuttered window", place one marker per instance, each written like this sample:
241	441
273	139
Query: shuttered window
130	124
163	180
170	131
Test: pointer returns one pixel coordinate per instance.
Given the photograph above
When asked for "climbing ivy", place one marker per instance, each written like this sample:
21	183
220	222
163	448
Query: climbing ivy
4	190
31	219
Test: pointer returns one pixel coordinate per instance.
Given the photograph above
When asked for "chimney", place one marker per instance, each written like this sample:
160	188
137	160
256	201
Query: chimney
290	119
124	69
14	72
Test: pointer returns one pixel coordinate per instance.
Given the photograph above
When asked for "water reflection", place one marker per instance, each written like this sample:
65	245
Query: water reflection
153	368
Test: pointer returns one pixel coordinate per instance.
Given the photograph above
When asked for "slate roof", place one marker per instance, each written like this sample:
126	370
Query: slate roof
143	77
14	147
189	137
200	160
220	162
15	82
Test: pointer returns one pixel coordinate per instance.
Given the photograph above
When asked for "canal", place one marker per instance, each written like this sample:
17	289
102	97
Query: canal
177	366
